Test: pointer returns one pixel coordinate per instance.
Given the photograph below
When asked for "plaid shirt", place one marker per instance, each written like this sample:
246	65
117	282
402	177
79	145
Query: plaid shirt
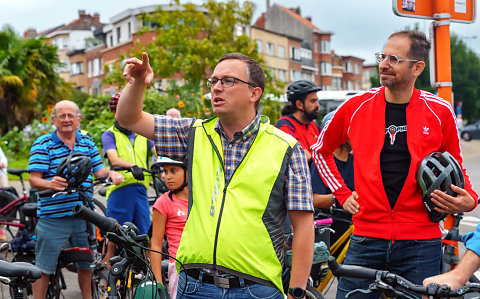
171	137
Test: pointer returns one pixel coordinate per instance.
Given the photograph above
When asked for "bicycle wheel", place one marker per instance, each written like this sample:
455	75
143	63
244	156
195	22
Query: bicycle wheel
21	293
6	198
99	284
312	293
99	207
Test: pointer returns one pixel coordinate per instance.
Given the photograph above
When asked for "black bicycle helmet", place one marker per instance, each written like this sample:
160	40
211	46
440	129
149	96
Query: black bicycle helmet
438	171
299	89
75	168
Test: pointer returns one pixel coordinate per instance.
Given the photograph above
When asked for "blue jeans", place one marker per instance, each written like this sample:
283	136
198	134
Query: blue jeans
414	260
197	289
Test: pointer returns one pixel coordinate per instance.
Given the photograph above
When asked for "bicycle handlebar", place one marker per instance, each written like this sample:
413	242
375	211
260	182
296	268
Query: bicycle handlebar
103	223
391	283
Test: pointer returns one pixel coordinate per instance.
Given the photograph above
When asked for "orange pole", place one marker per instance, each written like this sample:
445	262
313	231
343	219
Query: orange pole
442	49
443	65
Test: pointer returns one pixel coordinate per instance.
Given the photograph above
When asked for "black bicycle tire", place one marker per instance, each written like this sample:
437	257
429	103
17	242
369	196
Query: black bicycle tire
98	204
7	197
24	294
97	291
312	293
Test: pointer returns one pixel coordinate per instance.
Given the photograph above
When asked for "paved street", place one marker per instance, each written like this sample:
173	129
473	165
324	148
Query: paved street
471	152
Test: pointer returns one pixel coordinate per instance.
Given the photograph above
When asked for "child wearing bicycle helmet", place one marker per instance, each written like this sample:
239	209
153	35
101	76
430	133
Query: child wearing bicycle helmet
169	218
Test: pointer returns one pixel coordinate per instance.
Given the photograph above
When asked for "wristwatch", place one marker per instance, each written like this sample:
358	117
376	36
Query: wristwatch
332	197
297	293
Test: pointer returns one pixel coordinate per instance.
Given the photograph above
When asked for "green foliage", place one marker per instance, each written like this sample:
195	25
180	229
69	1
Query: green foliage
28	80
465	78
15	142
189	41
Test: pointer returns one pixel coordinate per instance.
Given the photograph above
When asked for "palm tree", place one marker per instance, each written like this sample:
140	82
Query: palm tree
28	81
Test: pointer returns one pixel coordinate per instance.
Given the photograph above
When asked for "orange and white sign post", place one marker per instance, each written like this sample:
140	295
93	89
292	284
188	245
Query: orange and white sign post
442	12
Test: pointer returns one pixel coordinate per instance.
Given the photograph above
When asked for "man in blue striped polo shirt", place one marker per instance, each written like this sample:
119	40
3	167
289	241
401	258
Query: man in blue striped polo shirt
57	224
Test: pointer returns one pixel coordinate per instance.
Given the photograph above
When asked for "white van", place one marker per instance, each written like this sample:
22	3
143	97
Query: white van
329	100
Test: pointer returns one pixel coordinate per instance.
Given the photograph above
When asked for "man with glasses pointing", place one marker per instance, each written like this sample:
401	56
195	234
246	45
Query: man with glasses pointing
243	176
391	129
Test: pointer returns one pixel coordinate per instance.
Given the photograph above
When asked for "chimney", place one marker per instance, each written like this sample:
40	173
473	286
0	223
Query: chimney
309	18
268	4
296	10
96	18
81	13
30	33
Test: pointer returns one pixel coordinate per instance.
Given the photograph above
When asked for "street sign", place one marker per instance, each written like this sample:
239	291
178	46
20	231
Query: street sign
461	11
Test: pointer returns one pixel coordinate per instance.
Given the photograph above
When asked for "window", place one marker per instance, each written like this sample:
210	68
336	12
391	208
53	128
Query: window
325	46
326	68
316	47
64	68
282	75
129	30
270	49
259	46
357	69
111	40
295	54
357	85
348	67
96	67
295	76
101	65
281	51
337	83
118	34
89	69
77	68
349	85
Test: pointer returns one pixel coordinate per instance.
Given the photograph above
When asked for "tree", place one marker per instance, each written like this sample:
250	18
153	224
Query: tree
28	81
189	40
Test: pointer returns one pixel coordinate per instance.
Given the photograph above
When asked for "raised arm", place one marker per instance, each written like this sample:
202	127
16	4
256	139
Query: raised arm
130	112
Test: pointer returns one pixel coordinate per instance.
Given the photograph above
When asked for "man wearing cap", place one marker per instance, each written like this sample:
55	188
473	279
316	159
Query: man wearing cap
300	113
127	201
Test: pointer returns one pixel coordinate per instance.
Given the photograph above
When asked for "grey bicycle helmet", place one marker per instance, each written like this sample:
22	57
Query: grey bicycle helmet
299	89
438	171
75	168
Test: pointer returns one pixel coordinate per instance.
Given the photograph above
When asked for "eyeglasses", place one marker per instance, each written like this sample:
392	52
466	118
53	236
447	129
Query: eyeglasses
393	60
64	116
226	82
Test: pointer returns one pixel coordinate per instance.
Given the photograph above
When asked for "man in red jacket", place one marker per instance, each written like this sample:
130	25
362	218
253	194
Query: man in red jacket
391	129
300	113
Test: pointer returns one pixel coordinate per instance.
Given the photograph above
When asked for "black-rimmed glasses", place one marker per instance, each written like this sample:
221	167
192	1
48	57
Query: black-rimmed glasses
226	82
393	60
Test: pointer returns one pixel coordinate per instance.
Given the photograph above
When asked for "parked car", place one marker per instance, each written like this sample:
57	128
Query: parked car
471	131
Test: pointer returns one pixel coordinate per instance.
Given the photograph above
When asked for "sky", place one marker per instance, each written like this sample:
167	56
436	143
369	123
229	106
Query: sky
360	28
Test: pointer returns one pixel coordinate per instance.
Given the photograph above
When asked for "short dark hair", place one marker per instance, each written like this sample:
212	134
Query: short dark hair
255	73
420	45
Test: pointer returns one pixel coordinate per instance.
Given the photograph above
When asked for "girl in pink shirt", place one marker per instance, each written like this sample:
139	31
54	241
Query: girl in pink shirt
169	217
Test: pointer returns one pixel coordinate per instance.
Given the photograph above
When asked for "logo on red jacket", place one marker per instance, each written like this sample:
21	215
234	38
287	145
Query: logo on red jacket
392	131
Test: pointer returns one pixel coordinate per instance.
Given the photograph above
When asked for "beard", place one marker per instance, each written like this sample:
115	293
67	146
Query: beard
311	115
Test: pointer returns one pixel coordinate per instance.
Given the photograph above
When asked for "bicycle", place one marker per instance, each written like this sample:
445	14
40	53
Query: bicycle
18	276
91	254
323	277
132	259
393	285
320	255
11	214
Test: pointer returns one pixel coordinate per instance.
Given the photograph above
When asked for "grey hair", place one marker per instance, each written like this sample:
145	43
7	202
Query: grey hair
77	110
